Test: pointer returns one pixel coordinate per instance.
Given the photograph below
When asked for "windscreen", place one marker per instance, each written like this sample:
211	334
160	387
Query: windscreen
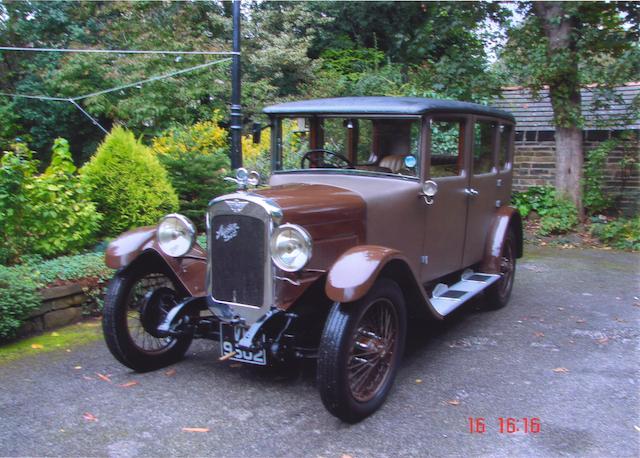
367	145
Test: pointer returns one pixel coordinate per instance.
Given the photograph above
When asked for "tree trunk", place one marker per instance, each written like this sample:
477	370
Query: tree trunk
559	26
569	159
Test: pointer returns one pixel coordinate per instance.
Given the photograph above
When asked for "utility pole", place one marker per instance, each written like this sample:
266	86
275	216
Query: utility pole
236	108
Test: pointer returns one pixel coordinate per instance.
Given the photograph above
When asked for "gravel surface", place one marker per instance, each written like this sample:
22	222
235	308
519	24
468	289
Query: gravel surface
565	350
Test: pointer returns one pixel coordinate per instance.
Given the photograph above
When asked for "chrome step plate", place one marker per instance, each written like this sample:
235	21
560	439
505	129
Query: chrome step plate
446	299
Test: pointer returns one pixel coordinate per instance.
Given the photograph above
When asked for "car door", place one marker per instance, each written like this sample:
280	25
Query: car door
446	164
482	190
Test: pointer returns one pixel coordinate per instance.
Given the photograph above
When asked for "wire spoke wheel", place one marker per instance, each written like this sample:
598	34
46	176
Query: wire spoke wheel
138	295
369	361
137	301
498	294
507	268
360	351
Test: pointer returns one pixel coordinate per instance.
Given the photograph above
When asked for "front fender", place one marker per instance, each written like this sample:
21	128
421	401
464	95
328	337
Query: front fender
353	274
142	244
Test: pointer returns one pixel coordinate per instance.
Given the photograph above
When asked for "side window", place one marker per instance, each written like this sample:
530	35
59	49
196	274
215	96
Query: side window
505	146
483	135
446	148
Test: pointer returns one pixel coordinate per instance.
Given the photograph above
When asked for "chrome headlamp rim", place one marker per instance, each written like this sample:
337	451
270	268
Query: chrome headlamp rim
306	237
191	232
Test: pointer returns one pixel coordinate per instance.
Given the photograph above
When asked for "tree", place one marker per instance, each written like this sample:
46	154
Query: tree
558	45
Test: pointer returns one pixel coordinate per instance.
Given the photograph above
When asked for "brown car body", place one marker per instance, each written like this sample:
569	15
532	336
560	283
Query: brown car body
407	233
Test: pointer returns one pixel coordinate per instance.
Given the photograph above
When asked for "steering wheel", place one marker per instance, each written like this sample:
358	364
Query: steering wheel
307	158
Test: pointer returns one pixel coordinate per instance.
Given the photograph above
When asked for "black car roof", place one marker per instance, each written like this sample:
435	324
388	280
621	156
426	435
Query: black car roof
382	106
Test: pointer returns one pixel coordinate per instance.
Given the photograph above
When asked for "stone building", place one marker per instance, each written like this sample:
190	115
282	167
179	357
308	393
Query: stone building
534	162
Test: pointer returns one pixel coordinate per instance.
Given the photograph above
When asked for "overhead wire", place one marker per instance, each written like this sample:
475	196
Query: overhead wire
117	51
74	100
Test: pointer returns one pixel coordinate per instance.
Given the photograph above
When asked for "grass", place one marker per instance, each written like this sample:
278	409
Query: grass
60	340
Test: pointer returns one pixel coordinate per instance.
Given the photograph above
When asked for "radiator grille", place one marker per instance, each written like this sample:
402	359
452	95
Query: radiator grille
237	259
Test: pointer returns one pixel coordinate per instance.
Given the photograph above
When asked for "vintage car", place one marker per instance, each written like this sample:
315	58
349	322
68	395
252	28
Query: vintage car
380	212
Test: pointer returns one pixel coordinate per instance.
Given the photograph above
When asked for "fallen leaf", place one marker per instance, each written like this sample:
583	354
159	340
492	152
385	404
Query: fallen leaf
195	430
68	350
418	380
55	334
86	377
89	417
561	370
538	334
344	455
77	367
37	346
170	373
453	402
603	340
103	377
581	321
129	384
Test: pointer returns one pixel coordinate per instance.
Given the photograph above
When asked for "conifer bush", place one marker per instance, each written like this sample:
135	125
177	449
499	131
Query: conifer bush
127	182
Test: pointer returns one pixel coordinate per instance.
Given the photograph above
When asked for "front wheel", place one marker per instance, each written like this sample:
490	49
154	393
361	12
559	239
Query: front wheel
498	294
360	351
132	313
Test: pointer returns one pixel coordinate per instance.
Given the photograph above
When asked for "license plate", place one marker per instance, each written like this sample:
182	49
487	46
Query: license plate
229	338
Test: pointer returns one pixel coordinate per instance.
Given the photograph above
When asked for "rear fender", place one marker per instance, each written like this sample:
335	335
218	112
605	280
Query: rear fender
355	272
506	219
140	246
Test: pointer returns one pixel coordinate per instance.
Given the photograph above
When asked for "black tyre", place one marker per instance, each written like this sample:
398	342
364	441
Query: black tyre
129	328
498	294
360	350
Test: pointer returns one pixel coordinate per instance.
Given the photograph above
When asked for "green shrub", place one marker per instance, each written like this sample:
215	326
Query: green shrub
595	199
197	160
18	296
621	233
17	169
128	183
44	214
557	214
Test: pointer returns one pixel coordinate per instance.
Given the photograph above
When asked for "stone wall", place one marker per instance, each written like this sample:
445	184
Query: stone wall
61	305
534	165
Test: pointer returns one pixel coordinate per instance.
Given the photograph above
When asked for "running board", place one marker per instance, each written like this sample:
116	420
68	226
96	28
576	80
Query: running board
446	299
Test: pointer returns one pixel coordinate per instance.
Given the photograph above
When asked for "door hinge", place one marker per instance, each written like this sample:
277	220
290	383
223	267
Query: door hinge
424	259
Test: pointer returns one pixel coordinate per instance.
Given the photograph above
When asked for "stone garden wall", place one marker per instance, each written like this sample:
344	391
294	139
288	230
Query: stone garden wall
61	305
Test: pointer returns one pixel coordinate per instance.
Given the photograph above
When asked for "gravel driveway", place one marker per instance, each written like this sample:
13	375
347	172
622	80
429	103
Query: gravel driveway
565	351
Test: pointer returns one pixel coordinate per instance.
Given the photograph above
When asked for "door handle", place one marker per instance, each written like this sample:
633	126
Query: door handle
471	192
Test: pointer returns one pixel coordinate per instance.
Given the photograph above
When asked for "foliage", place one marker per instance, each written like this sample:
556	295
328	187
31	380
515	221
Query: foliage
46	214
197	160
557	214
18	297
258	156
148	109
128	183
17	169
595	197
86	265
19	284
620	233
291	49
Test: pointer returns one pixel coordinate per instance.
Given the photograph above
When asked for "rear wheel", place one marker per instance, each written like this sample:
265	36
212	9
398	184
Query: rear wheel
498	294
136	302
360	351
